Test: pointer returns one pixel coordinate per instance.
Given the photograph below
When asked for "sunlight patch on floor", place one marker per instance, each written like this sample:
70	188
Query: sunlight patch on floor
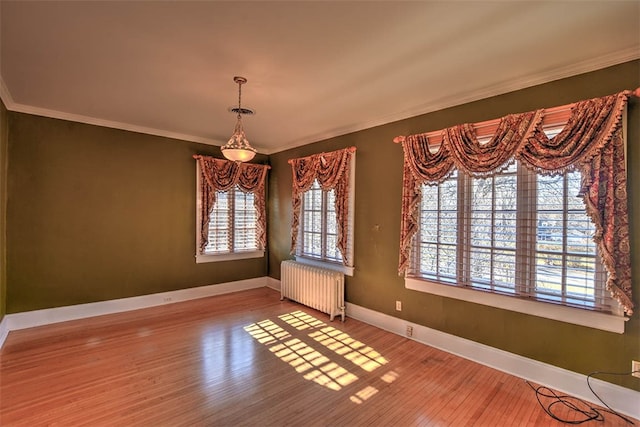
312	364
301	320
266	332
355	351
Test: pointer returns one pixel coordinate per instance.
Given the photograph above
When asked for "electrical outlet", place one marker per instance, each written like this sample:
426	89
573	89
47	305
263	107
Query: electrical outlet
409	330
167	299
635	368
398	305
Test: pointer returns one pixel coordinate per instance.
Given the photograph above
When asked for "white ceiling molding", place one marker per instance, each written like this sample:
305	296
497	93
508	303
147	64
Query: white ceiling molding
380	62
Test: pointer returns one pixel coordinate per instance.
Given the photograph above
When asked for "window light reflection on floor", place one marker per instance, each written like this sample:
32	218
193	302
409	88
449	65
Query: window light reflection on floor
301	320
313	364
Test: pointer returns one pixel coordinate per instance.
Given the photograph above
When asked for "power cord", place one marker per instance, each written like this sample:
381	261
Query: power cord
577	405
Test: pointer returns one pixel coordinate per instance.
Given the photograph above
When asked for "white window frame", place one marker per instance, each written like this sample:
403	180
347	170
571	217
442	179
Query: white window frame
227	256
611	322
324	262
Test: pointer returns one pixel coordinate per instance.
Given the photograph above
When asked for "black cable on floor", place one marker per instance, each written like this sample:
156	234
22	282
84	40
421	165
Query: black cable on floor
610	410
577	405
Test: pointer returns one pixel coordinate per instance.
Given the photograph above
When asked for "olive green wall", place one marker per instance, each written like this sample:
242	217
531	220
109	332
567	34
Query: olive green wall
4	142
97	214
376	285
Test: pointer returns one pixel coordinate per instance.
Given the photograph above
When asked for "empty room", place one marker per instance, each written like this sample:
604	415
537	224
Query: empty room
314	213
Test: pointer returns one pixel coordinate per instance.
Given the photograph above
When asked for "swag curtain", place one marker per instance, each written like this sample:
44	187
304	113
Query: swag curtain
590	142
222	175
332	170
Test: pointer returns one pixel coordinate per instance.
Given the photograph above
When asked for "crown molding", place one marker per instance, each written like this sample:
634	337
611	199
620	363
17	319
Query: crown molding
54	114
523	82
5	95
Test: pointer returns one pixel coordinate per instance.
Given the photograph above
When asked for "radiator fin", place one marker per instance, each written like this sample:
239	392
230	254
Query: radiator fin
315	287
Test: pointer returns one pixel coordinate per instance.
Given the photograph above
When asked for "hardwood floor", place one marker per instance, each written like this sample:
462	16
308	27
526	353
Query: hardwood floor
247	359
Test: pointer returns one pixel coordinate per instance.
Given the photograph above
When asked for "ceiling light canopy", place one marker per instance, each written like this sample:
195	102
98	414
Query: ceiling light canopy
238	148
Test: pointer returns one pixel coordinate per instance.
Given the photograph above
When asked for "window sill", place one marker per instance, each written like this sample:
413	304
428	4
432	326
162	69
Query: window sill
200	259
348	271
591	319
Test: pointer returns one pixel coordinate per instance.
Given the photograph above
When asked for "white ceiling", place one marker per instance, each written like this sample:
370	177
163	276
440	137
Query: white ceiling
315	69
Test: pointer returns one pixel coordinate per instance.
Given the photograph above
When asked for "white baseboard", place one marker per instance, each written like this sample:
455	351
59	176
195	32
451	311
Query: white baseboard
273	284
621	399
4	330
29	319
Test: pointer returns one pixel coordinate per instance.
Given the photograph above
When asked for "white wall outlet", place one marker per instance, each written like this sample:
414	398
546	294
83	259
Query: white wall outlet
398	305
635	368
409	330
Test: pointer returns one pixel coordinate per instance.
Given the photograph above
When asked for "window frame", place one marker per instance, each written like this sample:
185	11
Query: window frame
323	261
224	256
612	322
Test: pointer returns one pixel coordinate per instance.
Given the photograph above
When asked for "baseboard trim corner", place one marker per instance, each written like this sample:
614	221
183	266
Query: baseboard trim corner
4	330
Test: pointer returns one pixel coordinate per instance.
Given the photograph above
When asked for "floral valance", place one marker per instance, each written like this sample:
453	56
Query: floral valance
591	142
222	175
332	170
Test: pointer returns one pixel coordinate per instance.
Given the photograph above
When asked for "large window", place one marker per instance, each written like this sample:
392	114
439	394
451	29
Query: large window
536	237
515	233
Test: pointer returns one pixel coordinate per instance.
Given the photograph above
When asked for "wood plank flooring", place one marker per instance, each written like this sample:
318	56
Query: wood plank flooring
248	359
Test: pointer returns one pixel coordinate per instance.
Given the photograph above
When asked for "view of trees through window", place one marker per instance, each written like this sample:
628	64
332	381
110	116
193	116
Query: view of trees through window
318	225
515	233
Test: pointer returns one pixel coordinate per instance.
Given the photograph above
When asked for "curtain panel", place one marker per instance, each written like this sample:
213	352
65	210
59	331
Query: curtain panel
332	170
590	142
222	175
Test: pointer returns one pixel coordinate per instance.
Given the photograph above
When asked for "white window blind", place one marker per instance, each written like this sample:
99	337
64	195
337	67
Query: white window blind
232	226
515	233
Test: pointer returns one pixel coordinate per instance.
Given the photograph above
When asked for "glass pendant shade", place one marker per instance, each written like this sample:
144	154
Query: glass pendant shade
238	148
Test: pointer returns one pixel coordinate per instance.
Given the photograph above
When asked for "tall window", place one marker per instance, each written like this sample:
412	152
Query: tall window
319	234
323	209
230	210
515	233
232	223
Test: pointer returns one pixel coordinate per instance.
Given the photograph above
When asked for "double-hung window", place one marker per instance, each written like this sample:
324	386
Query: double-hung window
318	226
322	230
230	209
232	223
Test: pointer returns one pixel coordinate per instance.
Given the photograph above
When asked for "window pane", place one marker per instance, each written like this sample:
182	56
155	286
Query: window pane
581	276
447	260
448	225
549	273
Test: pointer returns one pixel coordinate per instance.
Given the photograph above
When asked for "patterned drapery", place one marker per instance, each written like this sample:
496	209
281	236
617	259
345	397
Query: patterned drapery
332	170
222	175
590	142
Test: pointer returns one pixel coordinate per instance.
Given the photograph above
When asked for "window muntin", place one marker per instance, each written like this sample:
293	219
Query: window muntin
515	234
232	226
319	232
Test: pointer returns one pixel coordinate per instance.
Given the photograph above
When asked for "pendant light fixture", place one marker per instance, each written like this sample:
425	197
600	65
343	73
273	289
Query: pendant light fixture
238	148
